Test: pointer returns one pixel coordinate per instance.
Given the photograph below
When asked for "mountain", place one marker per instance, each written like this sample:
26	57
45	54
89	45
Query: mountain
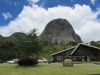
14	37
59	31
18	34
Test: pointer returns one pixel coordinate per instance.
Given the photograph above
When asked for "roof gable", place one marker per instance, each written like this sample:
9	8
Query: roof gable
63	51
75	48
82	44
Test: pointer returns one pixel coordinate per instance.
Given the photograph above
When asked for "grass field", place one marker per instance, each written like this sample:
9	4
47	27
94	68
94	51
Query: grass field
50	69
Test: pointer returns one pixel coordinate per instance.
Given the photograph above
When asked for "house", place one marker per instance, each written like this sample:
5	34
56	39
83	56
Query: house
81	52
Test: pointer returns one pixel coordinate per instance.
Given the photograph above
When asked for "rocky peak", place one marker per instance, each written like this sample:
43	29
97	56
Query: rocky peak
60	31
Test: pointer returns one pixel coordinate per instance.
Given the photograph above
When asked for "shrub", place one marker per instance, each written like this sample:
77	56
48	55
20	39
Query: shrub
27	62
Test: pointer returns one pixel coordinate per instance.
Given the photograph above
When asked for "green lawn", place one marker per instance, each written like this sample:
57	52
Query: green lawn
50	69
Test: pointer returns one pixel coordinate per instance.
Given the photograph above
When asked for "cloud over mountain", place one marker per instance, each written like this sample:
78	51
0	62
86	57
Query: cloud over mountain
83	19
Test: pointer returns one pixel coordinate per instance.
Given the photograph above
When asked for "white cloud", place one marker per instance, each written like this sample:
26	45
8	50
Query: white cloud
82	18
93	1
6	15
32	2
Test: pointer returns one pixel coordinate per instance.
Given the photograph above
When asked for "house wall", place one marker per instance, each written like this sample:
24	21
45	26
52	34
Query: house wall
59	57
87	54
62	55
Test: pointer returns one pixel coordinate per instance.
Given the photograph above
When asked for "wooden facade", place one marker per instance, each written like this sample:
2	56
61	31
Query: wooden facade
81	52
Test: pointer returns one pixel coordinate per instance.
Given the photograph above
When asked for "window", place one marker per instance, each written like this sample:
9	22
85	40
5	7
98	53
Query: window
59	57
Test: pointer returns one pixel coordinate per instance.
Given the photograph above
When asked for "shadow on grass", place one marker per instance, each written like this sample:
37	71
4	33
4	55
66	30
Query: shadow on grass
32	66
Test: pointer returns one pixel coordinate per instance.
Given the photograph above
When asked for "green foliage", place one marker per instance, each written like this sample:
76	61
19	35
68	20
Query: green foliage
73	43
49	49
95	43
34	42
19	46
6	50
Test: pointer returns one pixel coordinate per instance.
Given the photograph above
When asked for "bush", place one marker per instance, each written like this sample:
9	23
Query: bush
27	62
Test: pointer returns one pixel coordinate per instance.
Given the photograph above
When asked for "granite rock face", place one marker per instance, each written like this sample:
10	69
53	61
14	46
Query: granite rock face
59	31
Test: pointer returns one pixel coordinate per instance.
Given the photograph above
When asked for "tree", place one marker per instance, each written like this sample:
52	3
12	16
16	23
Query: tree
95	43
23	46
6	50
26	47
35	44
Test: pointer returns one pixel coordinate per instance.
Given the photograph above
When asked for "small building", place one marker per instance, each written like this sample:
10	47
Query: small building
81	52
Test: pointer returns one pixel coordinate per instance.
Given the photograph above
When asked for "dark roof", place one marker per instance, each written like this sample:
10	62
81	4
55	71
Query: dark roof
82	44
75	48
63	51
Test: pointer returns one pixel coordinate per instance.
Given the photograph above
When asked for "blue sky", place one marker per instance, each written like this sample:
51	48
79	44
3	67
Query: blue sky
49	3
14	7
24	15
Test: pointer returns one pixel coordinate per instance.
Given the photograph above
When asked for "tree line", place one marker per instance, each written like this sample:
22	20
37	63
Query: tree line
20	47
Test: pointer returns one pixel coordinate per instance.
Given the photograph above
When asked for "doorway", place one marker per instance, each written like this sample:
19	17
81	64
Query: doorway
86	58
